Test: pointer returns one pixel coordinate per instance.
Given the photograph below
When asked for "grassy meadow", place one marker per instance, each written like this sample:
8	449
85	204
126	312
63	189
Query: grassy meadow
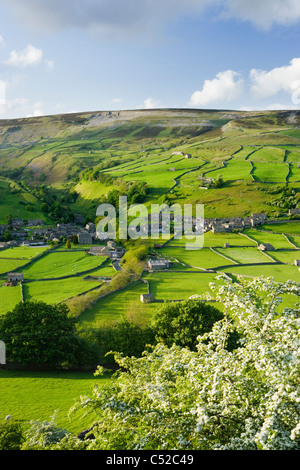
30	396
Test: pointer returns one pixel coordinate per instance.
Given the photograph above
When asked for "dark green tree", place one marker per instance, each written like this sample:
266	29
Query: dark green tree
181	323
39	334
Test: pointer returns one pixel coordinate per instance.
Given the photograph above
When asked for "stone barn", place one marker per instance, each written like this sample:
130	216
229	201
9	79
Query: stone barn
15	277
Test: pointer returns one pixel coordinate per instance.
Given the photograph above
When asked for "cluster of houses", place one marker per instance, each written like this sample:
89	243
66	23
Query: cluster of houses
234	224
34	232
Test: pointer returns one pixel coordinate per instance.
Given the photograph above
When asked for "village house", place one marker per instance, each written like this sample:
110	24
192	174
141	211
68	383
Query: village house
99	251
20	234
84	238
258	219
158	264
17	223
35	223
90	227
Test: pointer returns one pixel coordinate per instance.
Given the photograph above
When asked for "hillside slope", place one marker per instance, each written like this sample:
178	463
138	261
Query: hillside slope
177	152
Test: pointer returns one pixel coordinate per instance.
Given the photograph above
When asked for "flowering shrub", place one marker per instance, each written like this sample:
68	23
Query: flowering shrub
43	434
212	398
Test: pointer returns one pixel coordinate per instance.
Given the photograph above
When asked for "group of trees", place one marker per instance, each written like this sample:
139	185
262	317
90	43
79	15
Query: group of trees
286	197
135	192
42	335
96	174
203	394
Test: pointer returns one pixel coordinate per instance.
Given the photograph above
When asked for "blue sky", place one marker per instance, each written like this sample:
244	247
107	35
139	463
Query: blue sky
91	55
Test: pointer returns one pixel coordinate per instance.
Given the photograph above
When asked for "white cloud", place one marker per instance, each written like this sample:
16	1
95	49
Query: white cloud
226	86
150	103
269	83
116	100
264	13
29	56
38	109
1	41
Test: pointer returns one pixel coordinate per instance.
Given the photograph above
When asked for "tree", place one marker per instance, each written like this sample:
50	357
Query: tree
218	182
211	398
41	334
68	245
182	322
127	338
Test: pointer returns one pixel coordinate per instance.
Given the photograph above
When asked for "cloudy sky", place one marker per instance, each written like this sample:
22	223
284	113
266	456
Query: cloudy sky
90	55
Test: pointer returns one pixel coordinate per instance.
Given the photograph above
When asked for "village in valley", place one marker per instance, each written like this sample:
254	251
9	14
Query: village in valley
67	238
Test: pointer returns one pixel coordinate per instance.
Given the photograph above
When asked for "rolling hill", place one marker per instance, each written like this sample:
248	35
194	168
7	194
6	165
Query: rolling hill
174	151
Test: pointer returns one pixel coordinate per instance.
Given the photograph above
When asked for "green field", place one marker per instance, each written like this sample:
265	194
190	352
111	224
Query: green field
204	258
287	228
9	298
55	265
30	396
23	252
277	240
57	291
14	258
244	255
117	305
8	265
266	172
285	256
179	286
280	273
219	239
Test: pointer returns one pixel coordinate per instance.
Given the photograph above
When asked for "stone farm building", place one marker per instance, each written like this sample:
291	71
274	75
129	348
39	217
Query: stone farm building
147	298
266	247
158	264
15	277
